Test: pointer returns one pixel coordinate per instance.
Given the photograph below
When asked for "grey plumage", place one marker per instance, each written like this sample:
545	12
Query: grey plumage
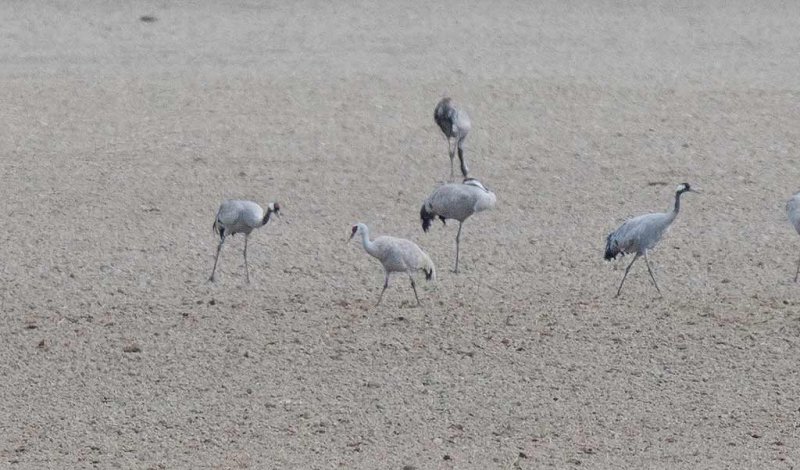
793	213
456	201
640	234
455	124
397	255
235	216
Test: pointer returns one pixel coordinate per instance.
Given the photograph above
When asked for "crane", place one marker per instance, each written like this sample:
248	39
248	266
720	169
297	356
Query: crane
793	213
236	216
456	201
455	124
640	234
397	255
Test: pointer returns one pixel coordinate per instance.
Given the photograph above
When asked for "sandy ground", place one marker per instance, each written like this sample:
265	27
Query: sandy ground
119	138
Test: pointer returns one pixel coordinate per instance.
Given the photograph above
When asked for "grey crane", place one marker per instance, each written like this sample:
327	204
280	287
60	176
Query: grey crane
456	201
793	213
236	216
455	124
640	234
397	255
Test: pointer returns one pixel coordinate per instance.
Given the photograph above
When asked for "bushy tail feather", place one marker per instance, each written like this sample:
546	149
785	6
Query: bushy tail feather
611	248
429	269
217	227
427	217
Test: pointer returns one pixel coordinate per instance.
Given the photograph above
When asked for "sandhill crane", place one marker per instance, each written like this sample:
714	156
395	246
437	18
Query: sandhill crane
455	124
793	212
235	217
397	255
456	201
640	234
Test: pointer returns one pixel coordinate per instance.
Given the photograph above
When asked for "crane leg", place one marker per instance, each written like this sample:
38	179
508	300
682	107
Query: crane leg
464	168
414	286
385	285
647	262
246	269
458	242
451	151
219	247
626	274
798	271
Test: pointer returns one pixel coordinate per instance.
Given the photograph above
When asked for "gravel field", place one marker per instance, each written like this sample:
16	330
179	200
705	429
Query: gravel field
120	137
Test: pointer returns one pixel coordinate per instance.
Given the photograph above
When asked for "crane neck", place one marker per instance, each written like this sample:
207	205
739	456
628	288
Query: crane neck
369	246
266	217
677	203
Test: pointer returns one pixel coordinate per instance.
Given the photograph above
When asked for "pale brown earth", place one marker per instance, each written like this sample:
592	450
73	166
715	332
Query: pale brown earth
119	138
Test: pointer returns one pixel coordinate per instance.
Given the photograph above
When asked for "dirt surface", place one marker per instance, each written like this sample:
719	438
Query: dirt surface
120	136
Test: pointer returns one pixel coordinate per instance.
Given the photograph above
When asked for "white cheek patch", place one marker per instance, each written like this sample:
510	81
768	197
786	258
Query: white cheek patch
680	187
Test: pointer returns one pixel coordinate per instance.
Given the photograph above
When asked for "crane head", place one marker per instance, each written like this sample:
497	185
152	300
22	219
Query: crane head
685	188
354	231
275	208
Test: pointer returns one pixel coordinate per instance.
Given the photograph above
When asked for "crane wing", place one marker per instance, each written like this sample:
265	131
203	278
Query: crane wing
453	201
461	123
229	213
640	233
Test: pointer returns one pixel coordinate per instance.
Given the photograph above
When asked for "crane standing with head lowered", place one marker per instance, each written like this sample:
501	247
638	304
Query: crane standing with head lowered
456	201
640	234
455	124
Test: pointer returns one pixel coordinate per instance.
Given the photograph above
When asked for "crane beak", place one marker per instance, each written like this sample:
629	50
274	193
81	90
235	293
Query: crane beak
695	191
351	237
